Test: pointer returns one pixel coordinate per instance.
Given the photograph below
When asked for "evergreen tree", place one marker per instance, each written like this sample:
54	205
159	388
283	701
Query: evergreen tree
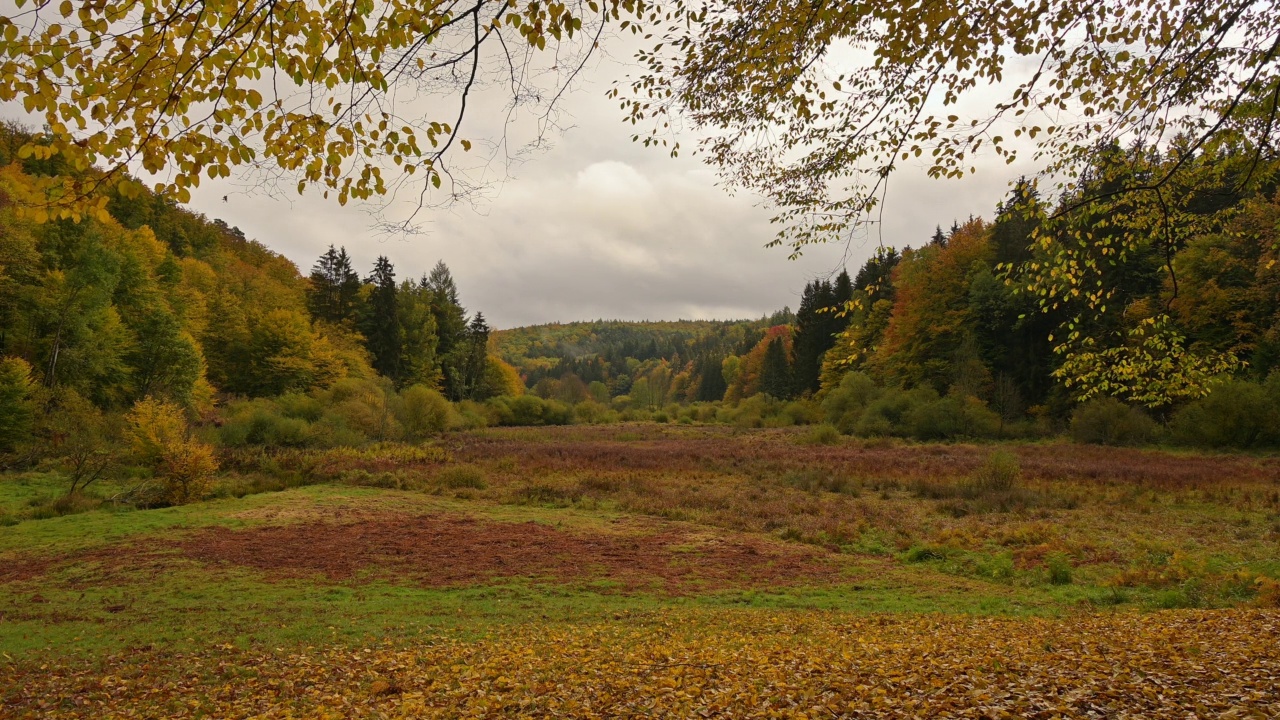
843	289
775	374
451	329
837	319
711	384
334	293
473	359
381	322
1016	219
419	363
814	335
875	278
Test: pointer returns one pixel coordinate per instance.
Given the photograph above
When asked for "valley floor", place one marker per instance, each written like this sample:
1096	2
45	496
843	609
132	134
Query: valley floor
646	570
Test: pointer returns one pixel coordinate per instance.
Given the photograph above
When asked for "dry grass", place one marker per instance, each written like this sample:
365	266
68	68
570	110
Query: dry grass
1108	509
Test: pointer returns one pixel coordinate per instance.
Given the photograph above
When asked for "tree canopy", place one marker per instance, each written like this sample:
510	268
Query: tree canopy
313	91
815	104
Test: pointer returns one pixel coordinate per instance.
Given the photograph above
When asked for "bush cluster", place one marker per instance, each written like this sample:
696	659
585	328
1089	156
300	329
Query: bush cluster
1237	414
351	412
858	406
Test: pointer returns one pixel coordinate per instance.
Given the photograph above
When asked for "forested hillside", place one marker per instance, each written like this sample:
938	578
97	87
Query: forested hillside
1166	326
147	304
150	335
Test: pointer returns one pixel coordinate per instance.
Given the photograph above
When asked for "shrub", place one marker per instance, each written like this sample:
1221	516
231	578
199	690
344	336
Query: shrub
843	406
461	476
365	406
1000	473
752	412
422	412
888	413
1059	568
528	410
825	434
160	439
81	439
332	431
802	412
953	416
1235	414
997	567
590	412
301	407
260	422
1107	421
69	504
924	553
471	415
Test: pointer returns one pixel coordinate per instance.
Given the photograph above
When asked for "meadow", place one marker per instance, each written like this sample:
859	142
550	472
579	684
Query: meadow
654	570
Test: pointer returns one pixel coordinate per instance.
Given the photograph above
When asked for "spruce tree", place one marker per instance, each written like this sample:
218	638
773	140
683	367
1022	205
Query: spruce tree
419	363
474	358
381	322
876	276
711	384
810	343
334	293
775	375
451	329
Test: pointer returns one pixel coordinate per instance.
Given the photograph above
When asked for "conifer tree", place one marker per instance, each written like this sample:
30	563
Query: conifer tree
473	358
775	375
381	323
814	334
711	383
451	329
334	294
419	362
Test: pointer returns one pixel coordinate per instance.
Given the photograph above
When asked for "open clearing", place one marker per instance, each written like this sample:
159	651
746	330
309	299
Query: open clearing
660	571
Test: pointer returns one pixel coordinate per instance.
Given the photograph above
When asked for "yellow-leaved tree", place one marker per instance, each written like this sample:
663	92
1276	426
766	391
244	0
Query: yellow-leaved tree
317	92
816	106
160	439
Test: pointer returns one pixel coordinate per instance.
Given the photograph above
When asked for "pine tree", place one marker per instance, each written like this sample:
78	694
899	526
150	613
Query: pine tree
381	323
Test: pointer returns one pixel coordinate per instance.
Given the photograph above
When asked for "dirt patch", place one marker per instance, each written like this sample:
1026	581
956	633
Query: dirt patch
22	569
446	551
95	567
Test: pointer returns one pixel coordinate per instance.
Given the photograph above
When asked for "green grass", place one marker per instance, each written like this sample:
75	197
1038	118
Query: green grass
906	555
73	611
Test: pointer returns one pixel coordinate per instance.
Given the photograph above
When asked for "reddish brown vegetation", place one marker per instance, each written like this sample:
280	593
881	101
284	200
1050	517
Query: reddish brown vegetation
720	450
442	551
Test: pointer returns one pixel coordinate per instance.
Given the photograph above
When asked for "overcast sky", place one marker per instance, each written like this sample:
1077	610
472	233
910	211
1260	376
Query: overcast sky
600	227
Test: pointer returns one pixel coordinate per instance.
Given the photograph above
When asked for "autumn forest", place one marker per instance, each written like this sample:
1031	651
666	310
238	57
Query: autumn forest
1026	465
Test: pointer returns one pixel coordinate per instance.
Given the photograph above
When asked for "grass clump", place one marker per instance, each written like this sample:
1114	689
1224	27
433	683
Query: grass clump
458	477
1059	569
824	434
999	474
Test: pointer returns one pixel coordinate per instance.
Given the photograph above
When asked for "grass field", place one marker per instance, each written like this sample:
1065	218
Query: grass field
645	570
